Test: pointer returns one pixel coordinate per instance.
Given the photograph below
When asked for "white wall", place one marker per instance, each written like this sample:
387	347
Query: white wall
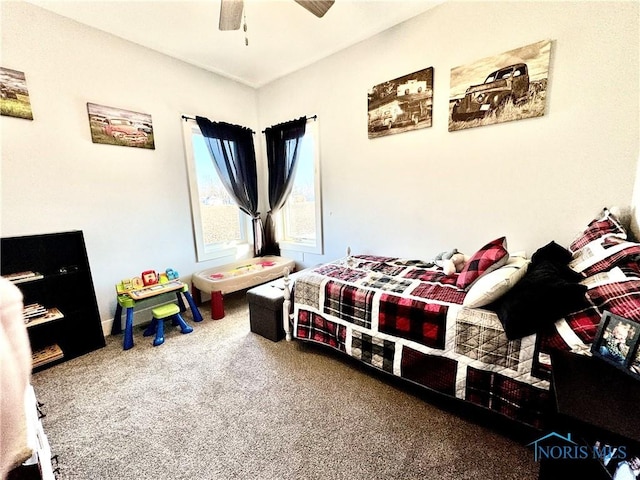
412	194
132	204
635	204
536	180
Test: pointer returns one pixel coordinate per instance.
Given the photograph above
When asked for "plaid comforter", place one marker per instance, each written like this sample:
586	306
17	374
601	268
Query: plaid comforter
406	318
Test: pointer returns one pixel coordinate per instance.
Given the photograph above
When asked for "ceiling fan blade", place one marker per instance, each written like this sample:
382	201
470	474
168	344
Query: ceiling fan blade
317	7
230	14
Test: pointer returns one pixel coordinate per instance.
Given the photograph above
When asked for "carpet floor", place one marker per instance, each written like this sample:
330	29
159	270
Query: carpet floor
224	403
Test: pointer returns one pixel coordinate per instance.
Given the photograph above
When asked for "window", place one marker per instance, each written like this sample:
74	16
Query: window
220	227
300	219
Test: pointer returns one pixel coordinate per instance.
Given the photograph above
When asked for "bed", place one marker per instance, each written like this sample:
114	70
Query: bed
483	335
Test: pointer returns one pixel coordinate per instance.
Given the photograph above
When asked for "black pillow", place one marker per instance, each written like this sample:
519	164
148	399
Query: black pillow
546	293
552	252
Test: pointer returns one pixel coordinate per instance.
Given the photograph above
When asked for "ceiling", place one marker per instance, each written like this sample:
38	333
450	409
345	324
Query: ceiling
283	37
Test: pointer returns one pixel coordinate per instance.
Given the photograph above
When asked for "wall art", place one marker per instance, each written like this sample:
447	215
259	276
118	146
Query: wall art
115	126
14	96
505	87
402	104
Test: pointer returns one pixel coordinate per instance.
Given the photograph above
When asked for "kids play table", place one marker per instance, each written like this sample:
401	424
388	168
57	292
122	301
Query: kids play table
133	298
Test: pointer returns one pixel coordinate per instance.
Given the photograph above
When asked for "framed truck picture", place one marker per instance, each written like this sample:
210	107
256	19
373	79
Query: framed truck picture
115	126
505	87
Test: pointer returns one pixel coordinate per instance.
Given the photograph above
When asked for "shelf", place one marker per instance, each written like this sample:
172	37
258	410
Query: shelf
53	273
23	277
51	315
46	355
56	275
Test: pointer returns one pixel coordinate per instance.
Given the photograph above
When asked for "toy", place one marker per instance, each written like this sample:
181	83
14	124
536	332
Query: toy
172	274
149	277
459	260
129	284
451	261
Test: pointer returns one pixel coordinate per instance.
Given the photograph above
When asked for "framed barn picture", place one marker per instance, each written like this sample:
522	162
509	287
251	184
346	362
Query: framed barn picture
402	104
14	95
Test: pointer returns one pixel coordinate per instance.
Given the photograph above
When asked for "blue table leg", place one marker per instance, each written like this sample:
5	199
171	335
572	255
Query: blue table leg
128	330
197	316
159	340
116	326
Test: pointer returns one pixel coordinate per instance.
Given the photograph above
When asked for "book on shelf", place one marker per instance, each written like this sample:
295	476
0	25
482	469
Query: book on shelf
33	310
26	276
38	314
46	355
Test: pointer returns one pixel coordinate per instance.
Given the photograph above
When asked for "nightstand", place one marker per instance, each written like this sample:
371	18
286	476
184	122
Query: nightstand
594	402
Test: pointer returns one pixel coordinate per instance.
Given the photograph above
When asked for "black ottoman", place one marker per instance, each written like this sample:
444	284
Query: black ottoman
265	310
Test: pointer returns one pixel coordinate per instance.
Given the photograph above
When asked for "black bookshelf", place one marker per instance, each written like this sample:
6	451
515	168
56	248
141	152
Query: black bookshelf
61	281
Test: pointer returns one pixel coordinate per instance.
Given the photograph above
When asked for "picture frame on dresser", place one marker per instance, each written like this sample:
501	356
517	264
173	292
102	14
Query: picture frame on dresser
616	342
634	363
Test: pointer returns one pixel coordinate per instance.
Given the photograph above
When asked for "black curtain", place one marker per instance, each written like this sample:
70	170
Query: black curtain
234	157
283	141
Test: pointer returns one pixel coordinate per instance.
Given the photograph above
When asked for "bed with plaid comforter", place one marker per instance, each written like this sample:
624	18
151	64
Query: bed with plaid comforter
406	318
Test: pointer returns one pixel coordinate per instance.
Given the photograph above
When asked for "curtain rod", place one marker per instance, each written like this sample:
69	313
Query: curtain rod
314	117
193	118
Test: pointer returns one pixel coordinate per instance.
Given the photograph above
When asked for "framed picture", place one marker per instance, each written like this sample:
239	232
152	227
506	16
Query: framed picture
508	86
401	104
616	342
14	95
617	460
634	364
115	126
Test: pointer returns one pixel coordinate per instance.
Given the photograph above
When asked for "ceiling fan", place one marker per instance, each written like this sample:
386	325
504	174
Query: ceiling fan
231	11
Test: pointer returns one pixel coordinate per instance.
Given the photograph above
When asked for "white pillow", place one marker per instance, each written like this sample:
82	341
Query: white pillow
493	285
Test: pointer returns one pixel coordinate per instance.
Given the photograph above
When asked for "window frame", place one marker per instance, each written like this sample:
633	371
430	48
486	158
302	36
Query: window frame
205	252
316	247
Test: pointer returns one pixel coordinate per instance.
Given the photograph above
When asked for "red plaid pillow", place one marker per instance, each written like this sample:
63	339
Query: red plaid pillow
603	254
493	255
607	224
621	298
631	268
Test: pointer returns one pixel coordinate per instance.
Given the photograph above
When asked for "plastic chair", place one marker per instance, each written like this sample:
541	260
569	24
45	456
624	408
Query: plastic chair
170	310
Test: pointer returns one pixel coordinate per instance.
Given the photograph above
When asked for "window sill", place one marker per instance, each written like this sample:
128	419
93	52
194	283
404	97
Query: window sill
301	247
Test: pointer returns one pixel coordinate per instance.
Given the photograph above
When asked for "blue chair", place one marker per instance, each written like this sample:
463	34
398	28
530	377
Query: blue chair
170	310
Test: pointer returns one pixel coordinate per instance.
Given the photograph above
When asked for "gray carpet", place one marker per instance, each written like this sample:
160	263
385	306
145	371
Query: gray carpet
224	403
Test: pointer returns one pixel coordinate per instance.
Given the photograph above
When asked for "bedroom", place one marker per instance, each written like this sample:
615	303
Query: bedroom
540	179
573	157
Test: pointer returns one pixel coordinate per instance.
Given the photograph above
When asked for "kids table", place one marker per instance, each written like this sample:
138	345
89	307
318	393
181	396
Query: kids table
132	298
